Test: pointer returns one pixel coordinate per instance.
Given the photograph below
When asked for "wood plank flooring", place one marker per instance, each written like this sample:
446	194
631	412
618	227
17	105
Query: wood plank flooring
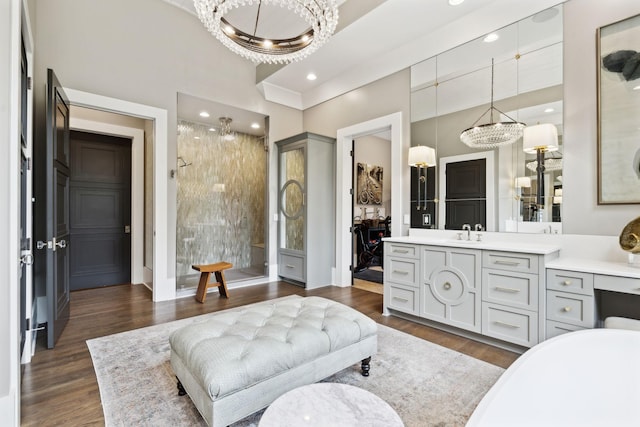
59	386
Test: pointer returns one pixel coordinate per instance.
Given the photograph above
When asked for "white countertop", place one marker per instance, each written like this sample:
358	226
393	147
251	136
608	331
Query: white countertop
524	247
609	268
584	378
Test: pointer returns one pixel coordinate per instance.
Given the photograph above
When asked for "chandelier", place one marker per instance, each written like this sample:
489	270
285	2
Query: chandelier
226	134
321	16
492	134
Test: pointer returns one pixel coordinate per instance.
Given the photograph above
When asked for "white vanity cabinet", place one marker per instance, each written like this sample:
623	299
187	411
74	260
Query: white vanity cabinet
489	291
570	301
401	278
449	284
510	291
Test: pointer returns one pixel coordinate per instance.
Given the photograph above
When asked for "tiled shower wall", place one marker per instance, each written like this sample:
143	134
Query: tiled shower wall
221	203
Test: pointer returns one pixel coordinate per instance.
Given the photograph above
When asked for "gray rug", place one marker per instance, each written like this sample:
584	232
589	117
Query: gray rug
427	385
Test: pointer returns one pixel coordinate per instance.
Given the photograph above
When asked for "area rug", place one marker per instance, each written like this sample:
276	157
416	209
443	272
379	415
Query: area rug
427	385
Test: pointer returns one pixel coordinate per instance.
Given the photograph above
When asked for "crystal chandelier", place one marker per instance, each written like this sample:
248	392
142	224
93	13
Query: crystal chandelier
226	134
320	15
492	134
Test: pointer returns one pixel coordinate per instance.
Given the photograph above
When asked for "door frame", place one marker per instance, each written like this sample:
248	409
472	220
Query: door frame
344	179
489	157
137	184
164	287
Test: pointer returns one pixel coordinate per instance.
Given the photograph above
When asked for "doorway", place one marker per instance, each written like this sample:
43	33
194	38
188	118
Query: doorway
100	210
371	208
344	181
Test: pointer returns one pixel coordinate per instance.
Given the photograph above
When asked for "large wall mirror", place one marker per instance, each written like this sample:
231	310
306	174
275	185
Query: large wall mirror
451	91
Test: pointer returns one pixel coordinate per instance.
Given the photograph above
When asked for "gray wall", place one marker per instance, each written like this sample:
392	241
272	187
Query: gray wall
580	198
145	51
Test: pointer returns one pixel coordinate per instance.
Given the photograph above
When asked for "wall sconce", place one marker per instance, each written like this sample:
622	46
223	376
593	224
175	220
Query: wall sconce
422	157
538	140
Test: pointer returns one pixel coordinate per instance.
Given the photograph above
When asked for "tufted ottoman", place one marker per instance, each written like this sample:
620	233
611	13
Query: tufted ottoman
239	361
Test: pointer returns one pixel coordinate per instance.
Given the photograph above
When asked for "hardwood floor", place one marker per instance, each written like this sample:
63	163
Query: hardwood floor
59	387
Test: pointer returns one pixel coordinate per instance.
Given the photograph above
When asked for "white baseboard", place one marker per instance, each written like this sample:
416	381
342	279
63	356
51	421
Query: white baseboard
9	409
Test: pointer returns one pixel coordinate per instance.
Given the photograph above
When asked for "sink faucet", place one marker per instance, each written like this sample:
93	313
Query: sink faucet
478	227
467	227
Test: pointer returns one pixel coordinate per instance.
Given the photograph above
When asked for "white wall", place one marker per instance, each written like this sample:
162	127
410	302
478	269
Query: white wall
385	96
581	213
146	51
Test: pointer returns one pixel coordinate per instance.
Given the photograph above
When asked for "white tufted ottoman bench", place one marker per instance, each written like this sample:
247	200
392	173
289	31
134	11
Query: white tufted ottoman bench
240	360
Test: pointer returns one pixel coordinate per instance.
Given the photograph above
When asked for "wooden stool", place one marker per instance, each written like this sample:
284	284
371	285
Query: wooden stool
205	271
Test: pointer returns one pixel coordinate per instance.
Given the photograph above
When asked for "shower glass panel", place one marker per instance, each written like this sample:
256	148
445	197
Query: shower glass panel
221	201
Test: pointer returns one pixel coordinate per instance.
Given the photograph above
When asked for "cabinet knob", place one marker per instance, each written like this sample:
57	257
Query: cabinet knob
447	285
566	309
566	282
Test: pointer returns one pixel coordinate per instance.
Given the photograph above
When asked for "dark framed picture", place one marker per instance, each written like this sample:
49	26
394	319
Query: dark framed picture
369	184
618	55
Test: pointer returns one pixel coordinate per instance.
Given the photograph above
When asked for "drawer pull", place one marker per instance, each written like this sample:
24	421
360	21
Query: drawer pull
401	299
509	263
447	285
400	272
508	325
566	309
400	251
566	282
510	290
291	266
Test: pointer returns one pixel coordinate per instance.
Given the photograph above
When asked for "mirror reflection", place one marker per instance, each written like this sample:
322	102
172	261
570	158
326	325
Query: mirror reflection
451	92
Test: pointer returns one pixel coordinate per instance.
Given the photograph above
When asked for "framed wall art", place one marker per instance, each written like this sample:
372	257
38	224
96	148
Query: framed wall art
618	74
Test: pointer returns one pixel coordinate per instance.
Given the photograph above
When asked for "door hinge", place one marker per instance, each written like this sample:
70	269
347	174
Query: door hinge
350	229
29	83
29	163
351	267
351	153
351	191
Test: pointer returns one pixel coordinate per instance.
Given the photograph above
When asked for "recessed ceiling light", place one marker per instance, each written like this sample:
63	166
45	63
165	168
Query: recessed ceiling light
455	2
212	129
204	114
636	88
196	137
311	76
491	38
255	125
549	110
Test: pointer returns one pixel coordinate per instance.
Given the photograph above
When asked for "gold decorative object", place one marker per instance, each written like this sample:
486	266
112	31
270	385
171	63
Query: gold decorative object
630	237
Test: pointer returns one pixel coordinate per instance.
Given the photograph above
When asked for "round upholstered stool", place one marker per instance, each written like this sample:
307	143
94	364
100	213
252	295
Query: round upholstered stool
622	323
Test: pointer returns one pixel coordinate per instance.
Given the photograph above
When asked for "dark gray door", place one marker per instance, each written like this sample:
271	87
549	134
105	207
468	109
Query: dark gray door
100	210
51	223
25	241
466	197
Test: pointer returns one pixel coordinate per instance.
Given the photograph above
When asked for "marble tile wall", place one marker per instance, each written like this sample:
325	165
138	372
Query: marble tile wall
221	202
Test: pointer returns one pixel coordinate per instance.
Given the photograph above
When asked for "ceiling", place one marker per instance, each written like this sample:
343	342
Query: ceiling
376	38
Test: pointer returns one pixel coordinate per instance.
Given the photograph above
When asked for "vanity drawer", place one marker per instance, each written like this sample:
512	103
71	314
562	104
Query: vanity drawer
510	288
510	261
401	271
570	281
402	298
510	324
401	250
556	328
625	285
571	308
292	267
